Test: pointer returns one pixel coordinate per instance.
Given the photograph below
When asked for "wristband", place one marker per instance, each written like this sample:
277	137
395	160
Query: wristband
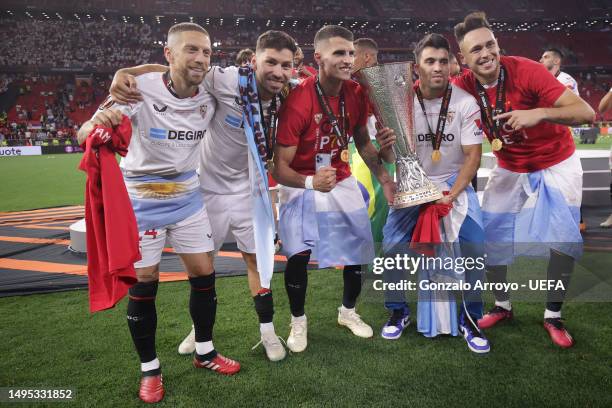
308	183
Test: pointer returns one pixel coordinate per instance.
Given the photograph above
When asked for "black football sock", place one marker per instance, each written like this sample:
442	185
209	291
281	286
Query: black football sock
142	319
352	285
497	274
264	305
560	268
296	282
203	306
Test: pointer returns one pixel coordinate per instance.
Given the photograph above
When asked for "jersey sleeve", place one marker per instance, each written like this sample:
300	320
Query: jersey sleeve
543	84
471	133
128	110
221	82
292	120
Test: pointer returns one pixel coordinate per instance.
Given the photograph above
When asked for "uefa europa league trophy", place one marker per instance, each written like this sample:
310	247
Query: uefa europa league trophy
389	87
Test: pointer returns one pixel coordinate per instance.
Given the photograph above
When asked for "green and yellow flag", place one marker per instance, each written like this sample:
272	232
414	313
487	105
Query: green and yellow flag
372	192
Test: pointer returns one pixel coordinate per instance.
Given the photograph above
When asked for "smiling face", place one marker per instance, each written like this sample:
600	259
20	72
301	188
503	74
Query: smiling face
272	70
433	69
335	57
188	53
479	50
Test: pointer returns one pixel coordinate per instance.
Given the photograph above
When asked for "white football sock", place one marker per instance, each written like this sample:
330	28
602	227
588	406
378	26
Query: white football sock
549	314
298	319
266	327
151	365
204	347
504	304
345	309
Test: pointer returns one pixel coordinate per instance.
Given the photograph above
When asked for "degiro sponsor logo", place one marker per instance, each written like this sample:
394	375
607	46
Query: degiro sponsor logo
163	134
428	136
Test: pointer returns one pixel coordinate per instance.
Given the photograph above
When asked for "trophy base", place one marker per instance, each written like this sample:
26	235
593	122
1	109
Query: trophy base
412	198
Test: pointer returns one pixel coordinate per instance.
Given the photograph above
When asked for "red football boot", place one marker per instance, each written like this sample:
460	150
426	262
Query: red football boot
558	333
495	315
151	389
219	363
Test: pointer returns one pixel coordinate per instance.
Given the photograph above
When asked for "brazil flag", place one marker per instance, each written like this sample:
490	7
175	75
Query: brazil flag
372	192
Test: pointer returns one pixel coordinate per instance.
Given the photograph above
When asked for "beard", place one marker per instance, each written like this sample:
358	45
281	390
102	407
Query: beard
189	77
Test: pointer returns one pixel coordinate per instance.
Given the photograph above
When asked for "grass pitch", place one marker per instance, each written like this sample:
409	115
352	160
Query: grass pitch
30	182
52	341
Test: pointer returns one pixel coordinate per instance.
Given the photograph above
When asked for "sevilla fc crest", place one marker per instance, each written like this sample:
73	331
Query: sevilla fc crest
318	117
203	109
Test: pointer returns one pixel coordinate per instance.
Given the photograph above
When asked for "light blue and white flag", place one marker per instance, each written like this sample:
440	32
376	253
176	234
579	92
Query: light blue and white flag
263	218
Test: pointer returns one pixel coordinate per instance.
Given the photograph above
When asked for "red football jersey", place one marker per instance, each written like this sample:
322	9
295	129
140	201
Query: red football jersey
302	122
528	86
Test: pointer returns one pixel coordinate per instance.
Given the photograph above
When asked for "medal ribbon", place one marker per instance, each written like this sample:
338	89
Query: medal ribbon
340	132
486	110
269	128
170	85
437	140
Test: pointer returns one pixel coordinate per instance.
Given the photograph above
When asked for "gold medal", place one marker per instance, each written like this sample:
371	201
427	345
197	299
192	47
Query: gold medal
496	145
436	155
344	156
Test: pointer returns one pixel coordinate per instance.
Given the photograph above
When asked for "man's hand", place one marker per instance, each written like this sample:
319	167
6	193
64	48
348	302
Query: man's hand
108	118
447	199
385	137
389	189
124	90
521	119
325	179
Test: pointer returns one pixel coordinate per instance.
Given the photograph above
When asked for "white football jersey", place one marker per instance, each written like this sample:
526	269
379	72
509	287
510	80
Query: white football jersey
462	128
568	82
166	130
224	164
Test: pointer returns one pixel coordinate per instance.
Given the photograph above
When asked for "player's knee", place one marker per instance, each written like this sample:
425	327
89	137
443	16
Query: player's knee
148	274
201	269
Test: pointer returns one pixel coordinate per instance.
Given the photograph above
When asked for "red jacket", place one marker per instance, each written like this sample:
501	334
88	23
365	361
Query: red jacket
112	231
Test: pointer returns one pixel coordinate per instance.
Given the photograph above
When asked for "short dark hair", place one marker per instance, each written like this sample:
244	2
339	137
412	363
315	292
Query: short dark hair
277	40
182	27
331	31
244	55
366	43
431	40
555	51
471	22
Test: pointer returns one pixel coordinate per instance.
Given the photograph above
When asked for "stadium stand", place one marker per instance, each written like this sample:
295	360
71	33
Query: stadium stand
57	56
